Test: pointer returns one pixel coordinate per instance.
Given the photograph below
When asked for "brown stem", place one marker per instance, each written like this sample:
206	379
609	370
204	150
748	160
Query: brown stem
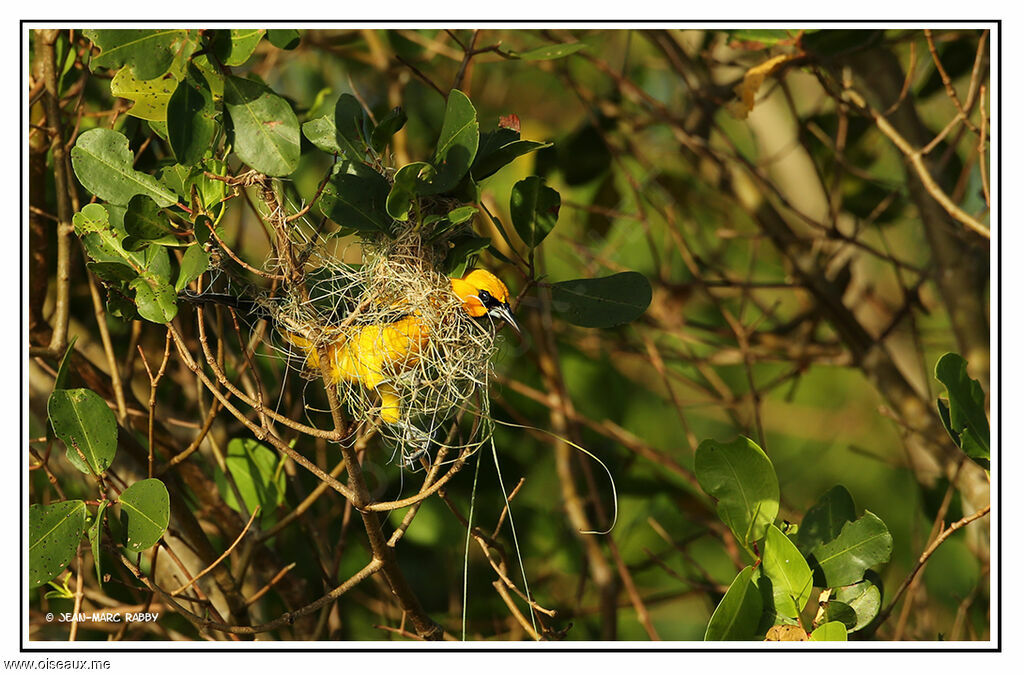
360	497
45	40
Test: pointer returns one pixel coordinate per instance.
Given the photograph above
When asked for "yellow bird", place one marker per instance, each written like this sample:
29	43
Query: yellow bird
372	355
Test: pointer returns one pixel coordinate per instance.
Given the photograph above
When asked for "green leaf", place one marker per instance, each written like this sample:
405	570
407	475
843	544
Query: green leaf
461	214
861	544
61	380
490	159
283	38
790	576
348	125
762	37
191	118
193	263
150	96
234	47
54	531
827	44
322	133
770	614
741	477
833	631
150	53
836	610
155	299
463	250
210	192
824	521
157	264
548	52
84	421
103	164
266	129
604	302
739	613
406	186
356	198
388	126
145	512
864	598
256	471
60	591
102	231
145	222
534	209
95	533
456	146
213	76
964	417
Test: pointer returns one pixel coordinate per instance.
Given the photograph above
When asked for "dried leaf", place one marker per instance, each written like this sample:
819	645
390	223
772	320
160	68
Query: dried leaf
747	90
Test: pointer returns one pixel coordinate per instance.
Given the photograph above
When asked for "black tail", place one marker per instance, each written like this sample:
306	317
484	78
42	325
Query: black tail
246	306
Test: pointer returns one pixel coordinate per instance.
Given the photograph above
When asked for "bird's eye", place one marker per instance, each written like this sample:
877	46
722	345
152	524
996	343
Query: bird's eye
484	296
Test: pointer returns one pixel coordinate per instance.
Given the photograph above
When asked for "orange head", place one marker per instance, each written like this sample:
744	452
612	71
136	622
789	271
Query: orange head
483	293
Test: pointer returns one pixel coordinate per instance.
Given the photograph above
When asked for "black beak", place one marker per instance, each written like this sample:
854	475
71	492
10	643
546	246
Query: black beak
504	312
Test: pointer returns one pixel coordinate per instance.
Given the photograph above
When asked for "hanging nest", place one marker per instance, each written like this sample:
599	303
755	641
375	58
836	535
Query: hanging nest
405	355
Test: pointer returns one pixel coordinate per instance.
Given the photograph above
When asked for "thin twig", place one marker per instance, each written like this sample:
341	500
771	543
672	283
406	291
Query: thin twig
221	557
924	559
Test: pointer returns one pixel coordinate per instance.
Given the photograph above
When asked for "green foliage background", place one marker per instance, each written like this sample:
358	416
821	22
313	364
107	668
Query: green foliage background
748	333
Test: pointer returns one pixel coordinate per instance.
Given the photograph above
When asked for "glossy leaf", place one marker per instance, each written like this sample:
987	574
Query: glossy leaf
742	480
388	126
964	416
833	631
844	560
348	123
191	119
145	223
461	214
356	198
193	263
322	133
155	299
149	53
283	38
456	146
95	535
864	598
150	96
759	38
548	52
739	612
785	566
836	610
462	252
494	159
86	424
603	302
103	164
145	512
406	186
54	531
824	521
266	129
534	209
102	231
234	47
61	381
156	264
